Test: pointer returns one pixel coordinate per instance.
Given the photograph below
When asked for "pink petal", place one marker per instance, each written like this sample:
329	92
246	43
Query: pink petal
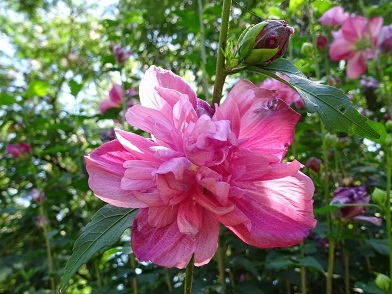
177	166
375	25
172	191
162	216
105	169
268	127
168	247
139	175
280	212
334	16
189	217
354	28
116	94
341	49
106	104
156	123
356	66
155	76
138	146
374	220
237	103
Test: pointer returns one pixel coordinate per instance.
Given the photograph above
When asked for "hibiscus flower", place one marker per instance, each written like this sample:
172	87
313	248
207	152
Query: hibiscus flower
354	42
203	167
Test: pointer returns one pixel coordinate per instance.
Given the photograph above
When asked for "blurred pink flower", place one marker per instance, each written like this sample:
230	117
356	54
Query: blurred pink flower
334	17
353	43
283	91
203	167
115	98
352	195
18	150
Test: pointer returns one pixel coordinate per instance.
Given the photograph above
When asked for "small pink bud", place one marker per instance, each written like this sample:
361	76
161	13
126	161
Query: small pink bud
321	42
313	164
121	54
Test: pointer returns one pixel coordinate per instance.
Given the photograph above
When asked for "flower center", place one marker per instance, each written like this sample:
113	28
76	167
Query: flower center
363	44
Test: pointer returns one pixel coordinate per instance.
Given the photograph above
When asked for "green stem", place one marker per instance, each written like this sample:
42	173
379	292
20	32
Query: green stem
203	54
314	41
189	276
388	155
346	258
220	74
98	275
221	265
303	273
134	279
331	253
168	282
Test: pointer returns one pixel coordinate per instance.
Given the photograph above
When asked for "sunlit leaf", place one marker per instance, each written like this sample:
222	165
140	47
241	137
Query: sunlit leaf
295	4
103	231
333	106
37	88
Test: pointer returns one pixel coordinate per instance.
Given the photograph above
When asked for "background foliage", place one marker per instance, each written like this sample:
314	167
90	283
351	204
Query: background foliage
56	66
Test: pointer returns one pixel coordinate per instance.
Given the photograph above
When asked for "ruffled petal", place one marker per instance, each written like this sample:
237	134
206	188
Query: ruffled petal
168	247
105	169
280	212
139	175
162	216
158	77
138	146
156	123
238	102
189	217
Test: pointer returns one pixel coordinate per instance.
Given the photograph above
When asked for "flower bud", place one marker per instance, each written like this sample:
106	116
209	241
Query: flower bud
384	42
379	196
313	164
306	49
264	42
321	42
121	54
383	282
388	140
388	125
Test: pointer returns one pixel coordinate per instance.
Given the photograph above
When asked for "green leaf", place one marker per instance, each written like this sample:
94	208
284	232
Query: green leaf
75	87
380	245
37	88
103	231
333	106
310	262
6	99
380	128
295	4
324	209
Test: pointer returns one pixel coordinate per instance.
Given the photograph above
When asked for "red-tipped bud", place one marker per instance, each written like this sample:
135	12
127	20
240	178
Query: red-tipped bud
321	42
264	42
